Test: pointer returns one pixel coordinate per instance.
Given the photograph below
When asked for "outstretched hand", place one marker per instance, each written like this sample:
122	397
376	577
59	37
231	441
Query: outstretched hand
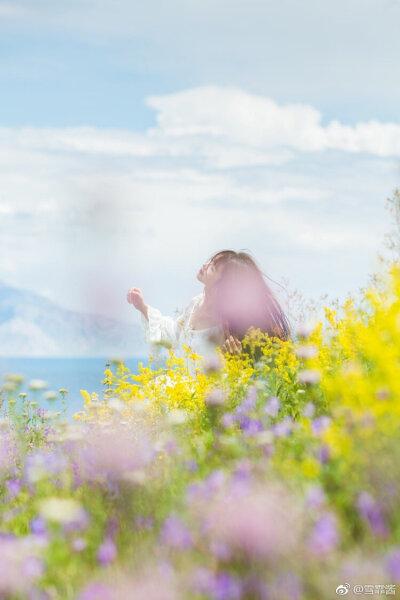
232	345
135	297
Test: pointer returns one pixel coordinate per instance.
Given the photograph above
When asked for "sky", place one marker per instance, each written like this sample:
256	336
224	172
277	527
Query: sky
136	139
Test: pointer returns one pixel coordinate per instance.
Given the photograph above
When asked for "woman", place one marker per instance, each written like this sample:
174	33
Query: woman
235	297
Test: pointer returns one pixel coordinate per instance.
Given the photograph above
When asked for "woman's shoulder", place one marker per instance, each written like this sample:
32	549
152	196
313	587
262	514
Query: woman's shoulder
190	306
195	300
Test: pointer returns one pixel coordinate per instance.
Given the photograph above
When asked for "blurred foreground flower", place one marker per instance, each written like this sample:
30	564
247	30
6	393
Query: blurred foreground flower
309	376
61	510
111	453
306	351
264	523
216	397
38	384
151	586
20	566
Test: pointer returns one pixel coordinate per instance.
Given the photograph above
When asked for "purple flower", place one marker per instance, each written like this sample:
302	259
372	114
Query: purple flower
241	478
324	453
251	426
215	480
41	465
204	490
8	451
79	544
19	567
191	465
309	410
272	406
171	446
262	524
220	550
175	534
13	486
251	398
269	450
218	586
319	424
248	404
315	496
80	523
194	491
109	455
286	586
243	470
226	587
97	591
393	563
144	523
38	526
283	428
227	420
112	527
324	536
33	567
371	512
107	552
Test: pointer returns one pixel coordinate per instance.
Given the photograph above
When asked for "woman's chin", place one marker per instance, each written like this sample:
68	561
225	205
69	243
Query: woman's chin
200	277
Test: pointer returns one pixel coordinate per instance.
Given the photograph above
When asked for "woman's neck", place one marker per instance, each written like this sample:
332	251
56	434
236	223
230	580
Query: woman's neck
208	303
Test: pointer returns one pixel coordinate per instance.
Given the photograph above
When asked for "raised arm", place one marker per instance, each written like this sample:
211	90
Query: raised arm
159	329
135	297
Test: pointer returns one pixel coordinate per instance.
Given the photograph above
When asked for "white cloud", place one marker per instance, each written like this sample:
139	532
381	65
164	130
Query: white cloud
212	128
259	122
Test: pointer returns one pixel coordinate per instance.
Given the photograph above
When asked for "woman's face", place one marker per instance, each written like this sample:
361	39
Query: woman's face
209	273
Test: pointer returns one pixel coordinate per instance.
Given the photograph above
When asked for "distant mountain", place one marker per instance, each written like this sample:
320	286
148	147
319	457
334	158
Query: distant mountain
31	325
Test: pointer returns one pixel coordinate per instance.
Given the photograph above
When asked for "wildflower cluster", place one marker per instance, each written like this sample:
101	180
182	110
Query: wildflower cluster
273	474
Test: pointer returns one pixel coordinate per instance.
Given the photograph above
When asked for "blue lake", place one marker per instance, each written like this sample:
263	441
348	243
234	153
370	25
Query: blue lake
74	374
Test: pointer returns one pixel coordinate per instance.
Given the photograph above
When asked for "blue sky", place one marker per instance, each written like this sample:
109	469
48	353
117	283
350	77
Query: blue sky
93	62
138	138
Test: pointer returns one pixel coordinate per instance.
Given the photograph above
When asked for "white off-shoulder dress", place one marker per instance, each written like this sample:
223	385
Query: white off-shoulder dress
173	333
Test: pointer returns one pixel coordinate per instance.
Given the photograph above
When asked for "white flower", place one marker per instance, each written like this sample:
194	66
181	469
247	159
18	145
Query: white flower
264	437
38	384
72	433
9	386
309	376
138	477
60	510
139	407
213	364
15	377
306	351
216	397
48	415
116	404
305	329
177	416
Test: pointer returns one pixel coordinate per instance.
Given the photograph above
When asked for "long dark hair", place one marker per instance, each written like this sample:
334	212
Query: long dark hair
243	299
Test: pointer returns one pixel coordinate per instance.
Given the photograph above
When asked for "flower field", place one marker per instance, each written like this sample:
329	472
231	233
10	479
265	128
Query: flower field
272	475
